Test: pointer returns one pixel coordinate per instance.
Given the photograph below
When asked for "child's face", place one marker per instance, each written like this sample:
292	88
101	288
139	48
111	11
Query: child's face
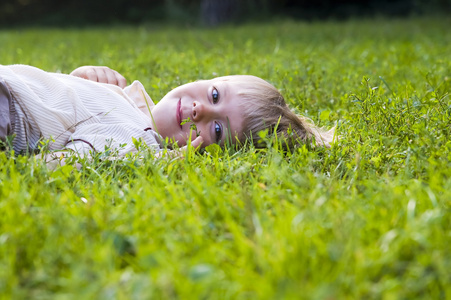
212	105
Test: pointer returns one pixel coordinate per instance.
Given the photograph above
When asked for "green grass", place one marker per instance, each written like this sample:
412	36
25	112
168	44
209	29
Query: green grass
368	218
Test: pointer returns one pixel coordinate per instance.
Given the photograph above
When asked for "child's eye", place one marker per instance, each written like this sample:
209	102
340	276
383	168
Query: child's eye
215	95
218	132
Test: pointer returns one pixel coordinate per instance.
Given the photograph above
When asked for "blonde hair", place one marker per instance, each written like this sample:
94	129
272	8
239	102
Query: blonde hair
264	108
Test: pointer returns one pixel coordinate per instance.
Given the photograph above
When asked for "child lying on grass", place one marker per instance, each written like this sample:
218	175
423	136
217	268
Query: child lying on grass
92	108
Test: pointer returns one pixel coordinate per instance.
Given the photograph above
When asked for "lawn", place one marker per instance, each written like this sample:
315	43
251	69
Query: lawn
368	218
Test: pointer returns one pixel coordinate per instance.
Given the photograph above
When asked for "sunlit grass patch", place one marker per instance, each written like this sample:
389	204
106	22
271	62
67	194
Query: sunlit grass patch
367	218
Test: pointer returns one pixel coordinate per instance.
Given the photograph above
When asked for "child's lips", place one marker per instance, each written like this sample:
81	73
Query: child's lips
179	113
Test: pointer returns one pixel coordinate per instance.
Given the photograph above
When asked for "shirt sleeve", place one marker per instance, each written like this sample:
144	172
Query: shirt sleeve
138	94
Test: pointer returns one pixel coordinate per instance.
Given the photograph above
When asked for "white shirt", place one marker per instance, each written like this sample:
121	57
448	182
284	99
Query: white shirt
76	113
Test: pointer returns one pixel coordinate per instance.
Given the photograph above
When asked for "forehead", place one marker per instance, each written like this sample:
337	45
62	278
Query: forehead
234	79
233	86
232	107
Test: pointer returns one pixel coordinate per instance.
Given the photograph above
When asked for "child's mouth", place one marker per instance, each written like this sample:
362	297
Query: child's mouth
179	113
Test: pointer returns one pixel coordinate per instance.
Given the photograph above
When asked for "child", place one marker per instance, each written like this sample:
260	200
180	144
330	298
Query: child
92	108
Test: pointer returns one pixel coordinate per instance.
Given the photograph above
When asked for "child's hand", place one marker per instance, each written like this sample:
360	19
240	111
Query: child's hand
180	153
196	143
100	74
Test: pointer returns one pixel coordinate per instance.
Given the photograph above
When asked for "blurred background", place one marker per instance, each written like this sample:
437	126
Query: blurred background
203	12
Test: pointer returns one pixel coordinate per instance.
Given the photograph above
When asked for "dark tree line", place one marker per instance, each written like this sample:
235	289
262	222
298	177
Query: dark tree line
210	12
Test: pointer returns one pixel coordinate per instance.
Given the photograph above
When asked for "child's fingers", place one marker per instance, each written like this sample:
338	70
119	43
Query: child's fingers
79	72
180	153
194	143
101	74
111	77
121	81
197	142
89	74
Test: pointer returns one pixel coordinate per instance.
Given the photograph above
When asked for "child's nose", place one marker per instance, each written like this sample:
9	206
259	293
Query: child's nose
199	111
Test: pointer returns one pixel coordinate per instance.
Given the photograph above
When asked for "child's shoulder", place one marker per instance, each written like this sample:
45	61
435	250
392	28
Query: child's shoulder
138	94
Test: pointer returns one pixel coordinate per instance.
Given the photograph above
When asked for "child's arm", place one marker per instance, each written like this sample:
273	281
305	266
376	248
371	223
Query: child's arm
100	74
